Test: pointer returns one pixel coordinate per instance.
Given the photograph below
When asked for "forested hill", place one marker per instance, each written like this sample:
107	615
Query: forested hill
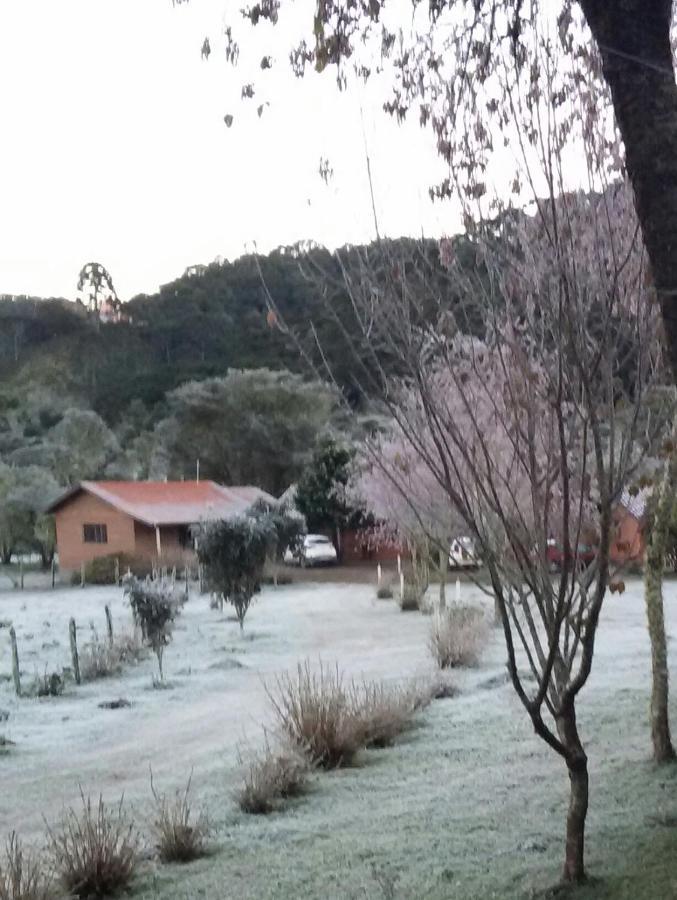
53	355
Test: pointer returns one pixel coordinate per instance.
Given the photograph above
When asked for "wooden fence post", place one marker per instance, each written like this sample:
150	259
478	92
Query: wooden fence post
82	574
53	572
16	675
21	572
200	575
74	651
186	574
379	575
109	624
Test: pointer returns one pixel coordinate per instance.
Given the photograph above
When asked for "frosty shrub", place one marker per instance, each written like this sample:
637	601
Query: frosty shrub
387	711
101	659
154	608
180	835
316	710
233	553
50	684
458	635
411	597
95	850
21	874
271	777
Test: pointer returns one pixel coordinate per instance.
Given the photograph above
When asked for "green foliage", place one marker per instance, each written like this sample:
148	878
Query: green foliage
286	528
250	427
154	609
320	492
24	492
234	553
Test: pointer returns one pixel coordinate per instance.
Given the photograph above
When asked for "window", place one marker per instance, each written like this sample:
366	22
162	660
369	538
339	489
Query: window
95	534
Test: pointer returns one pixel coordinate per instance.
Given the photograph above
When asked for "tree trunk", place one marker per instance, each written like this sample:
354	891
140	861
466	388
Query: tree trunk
634	40
653	597
574	857
577	766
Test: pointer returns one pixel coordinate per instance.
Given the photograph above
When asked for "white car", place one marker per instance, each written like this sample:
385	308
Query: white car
462	554
316	550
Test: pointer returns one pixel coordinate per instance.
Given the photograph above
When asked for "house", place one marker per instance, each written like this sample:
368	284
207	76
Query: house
145	519
628	543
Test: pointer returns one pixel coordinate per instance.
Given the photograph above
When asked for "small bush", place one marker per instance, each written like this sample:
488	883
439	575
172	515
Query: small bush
51	684
385	711
154	608
316	711
384	592
458	636
21	875
95	850
272	777
411	597
180	836
101	659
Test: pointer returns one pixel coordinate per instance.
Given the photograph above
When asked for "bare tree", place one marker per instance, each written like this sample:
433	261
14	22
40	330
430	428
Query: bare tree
531	424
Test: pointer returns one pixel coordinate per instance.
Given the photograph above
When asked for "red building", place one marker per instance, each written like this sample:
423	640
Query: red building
147	520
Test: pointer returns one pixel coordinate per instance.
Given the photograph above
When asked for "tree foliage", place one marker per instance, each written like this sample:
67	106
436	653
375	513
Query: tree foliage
234	553
154	608
250	427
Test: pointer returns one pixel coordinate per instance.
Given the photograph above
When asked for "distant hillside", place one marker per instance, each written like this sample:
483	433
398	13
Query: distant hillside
54	355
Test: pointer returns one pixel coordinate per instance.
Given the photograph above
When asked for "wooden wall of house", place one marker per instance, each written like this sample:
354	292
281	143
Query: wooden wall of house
84	508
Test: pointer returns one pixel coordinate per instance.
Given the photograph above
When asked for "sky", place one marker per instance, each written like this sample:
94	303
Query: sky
115	149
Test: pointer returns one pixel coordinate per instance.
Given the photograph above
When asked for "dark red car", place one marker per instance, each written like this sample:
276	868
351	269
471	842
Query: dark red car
585	554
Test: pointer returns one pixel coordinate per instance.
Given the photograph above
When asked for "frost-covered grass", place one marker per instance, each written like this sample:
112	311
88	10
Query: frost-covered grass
470	805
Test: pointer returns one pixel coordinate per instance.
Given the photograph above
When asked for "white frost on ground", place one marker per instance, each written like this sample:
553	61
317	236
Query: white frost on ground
217	698
470	805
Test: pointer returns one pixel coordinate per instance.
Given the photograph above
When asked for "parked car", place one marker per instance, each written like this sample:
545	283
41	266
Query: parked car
462	554
316	550
585	554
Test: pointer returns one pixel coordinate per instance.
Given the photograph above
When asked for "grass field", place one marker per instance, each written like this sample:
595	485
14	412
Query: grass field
469	805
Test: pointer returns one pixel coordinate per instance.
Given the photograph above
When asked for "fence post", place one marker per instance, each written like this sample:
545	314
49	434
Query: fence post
109	624
201	580
186	574
399	564
16	675
74	651
21	572
53	571
117	570
378	575
82	574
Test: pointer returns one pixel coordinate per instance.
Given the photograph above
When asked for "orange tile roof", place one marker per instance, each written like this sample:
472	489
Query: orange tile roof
169	502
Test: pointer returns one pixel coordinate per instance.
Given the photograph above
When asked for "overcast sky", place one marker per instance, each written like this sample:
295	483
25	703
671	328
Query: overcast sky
114	148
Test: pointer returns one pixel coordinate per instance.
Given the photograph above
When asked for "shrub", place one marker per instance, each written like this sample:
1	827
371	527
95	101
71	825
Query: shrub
95	851
180	836
233	553
384	592
411	597
51	684
101	659
272	777
457	636
386	711
316	711
21	875
154	608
